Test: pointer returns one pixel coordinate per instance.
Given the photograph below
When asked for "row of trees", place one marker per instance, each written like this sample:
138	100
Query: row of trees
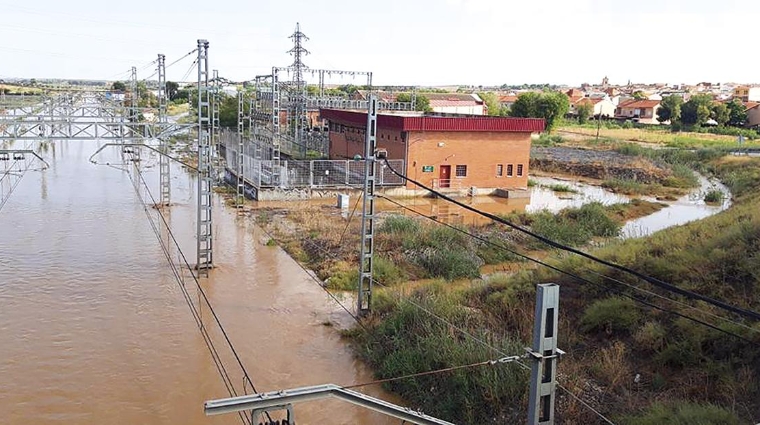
699	109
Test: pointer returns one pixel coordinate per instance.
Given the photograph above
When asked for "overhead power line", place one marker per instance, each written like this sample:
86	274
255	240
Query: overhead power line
654	281
584	280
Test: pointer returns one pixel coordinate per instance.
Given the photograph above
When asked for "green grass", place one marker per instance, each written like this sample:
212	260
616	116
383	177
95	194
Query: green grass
631	187
683	414
409	340
559	187
705	373
714	196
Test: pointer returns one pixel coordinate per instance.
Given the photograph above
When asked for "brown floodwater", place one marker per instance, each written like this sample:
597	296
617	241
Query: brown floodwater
94	328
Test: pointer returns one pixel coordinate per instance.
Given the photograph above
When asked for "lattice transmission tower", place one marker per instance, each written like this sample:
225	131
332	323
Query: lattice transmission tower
297	95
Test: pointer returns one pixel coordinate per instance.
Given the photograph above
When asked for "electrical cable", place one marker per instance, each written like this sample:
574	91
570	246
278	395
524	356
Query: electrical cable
189	70
654	281
183	57
502	360
180	280
580	278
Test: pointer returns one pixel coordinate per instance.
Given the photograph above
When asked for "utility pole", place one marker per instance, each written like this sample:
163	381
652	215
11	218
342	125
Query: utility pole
364	305
275	128
133	115
163	161
204	237
215	127
240	198
544	354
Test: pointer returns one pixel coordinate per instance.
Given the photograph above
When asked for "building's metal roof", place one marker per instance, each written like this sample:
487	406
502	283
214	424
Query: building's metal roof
437	123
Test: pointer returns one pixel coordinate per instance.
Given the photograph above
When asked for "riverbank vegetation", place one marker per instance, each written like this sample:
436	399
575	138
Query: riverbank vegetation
623	356
635	364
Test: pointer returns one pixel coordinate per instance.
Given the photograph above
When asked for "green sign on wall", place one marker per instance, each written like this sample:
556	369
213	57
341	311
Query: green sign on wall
427	168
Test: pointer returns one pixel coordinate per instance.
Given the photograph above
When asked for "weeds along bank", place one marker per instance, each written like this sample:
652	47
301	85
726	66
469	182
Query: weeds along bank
634	364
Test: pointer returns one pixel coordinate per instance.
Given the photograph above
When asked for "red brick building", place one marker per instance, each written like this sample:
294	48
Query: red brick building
443	151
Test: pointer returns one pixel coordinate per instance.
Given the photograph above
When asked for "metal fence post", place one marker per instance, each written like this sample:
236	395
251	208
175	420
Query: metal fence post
544	355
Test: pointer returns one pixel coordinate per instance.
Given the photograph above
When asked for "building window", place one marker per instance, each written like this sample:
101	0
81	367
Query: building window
461	171
510	169
519	170
499	170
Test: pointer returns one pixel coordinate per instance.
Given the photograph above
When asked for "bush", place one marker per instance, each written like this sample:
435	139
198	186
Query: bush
409	340
684	414
593	218
494	254
683	177
714	196
449	263
386	271
610	315
548	140
558	187
400	225
651	336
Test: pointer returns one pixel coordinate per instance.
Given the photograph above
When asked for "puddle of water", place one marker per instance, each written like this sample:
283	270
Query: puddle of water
687	208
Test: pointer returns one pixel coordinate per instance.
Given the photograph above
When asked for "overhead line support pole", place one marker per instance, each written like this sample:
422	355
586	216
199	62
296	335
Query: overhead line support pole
163	164
204	237
368	212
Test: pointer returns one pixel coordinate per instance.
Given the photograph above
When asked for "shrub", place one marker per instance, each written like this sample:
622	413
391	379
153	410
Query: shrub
492	254
684	413
629	187
651	336
409	340
683	177
449	263
610	315
549	140
594	218
558	187
559	229
386	271
400	225
714	196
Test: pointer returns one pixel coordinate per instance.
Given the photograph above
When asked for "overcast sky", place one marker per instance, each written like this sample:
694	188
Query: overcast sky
421	42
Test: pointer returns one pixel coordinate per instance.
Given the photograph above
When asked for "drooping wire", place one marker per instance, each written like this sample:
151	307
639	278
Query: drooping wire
582	279
179	276
652	280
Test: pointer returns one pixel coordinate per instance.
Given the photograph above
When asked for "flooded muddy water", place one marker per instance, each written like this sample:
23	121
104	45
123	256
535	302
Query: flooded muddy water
94	328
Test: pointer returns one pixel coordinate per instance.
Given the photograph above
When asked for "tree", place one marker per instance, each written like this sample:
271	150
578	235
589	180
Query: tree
549	105
720	113
422	102
584	110
228	111
670	109
171	90
525	106
737	113
118	86
639	95
492	102
697	110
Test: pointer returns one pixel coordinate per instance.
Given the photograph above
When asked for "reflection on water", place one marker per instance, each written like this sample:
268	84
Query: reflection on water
93	327
688	208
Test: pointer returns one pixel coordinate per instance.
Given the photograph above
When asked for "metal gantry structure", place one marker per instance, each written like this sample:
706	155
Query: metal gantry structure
204	234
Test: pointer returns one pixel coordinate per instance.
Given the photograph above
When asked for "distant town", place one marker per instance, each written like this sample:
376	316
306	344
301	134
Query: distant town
641	103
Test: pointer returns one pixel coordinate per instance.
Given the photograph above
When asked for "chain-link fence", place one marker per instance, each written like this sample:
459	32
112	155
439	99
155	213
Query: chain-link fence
261	171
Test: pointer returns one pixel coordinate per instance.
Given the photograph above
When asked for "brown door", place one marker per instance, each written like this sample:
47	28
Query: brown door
445	177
